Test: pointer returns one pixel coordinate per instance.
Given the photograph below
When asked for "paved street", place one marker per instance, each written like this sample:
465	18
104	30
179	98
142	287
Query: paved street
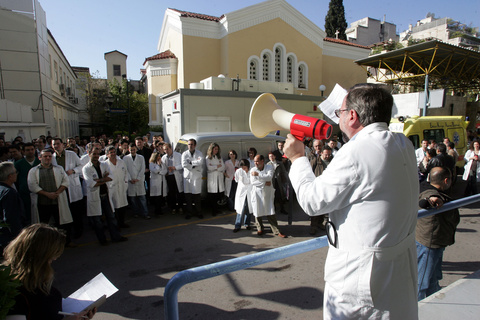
159	248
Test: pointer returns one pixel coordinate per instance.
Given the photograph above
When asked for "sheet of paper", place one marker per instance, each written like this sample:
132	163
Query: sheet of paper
333	102
92	291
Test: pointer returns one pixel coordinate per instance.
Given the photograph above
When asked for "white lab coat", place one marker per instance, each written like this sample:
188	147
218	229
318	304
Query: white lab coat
72	161
419	155
215	177
61	179
84	160
119	184
192	171
177	163
468	165
370	191
136	170
158	183
262	195
230	172
244	191
94	206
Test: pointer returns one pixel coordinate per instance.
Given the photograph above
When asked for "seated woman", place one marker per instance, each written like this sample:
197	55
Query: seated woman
30	256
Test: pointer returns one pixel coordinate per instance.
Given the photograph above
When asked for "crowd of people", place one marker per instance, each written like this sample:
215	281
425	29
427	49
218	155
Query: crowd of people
365	194
49	180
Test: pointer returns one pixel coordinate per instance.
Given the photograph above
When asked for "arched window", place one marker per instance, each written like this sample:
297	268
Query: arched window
302	76
290	69
266	67
253	74
278	64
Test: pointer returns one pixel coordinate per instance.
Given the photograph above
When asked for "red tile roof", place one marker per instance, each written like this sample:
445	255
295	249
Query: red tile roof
197	15
345	43
163	55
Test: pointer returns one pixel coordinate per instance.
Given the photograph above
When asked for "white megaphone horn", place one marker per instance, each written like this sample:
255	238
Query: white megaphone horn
267	116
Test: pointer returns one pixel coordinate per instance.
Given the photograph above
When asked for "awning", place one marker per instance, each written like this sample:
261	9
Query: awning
447	66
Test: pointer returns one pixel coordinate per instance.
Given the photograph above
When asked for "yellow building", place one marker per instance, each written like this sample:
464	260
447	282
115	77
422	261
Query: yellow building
267	42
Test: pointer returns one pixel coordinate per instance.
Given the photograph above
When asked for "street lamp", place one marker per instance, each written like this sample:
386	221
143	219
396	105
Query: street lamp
124	76
322	88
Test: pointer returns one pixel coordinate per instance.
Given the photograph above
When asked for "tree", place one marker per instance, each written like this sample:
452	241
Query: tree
335	20
135	103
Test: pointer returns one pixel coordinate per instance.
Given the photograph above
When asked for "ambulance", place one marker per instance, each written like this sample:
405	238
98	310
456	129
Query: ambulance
434	128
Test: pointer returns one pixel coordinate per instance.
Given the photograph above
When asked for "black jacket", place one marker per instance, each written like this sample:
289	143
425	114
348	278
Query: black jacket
438	230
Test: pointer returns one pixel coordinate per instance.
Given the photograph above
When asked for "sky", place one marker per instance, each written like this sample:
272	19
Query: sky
86	29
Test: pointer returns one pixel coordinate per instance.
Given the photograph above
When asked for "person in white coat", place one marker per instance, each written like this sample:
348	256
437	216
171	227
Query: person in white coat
173	162
97	177
118	185
370	191
231	165
472	169
263	194
243	196
48	183
215	177
136	186
158	183
192	163
70	162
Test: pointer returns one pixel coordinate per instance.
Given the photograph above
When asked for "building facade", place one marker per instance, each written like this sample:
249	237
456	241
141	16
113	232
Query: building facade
270	42
443	29
368	31
37	86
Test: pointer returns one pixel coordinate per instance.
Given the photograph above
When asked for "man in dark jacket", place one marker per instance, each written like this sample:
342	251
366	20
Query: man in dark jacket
434	232
11	205
442	159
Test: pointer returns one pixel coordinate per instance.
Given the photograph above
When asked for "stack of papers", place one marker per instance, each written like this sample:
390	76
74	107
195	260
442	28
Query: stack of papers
93	294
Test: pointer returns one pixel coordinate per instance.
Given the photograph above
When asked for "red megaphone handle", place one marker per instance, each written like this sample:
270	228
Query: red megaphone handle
300	135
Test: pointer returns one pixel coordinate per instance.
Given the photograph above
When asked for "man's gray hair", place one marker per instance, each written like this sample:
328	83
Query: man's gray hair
372	102
6	168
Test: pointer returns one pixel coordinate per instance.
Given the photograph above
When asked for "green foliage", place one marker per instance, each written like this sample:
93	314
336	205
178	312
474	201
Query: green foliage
335	20
458	29
389	46
136	102
411	42
8	290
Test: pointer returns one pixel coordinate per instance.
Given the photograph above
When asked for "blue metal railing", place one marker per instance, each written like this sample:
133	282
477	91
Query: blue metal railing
215	269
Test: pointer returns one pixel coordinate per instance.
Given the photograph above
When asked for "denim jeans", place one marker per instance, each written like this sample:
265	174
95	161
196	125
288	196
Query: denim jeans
429	270
97	223
245	216
139	205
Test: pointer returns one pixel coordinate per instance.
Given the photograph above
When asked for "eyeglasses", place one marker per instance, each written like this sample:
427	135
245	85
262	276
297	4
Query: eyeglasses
338	112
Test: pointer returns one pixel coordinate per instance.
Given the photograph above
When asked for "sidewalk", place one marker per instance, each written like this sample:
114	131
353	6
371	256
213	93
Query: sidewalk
460	300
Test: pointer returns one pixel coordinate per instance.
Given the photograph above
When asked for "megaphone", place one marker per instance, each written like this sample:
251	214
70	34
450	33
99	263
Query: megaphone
267	116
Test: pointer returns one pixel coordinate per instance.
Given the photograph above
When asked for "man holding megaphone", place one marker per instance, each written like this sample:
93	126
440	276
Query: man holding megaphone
370	191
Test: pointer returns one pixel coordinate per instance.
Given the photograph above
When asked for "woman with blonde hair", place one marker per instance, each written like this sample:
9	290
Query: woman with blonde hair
215	178
30	256
158	183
